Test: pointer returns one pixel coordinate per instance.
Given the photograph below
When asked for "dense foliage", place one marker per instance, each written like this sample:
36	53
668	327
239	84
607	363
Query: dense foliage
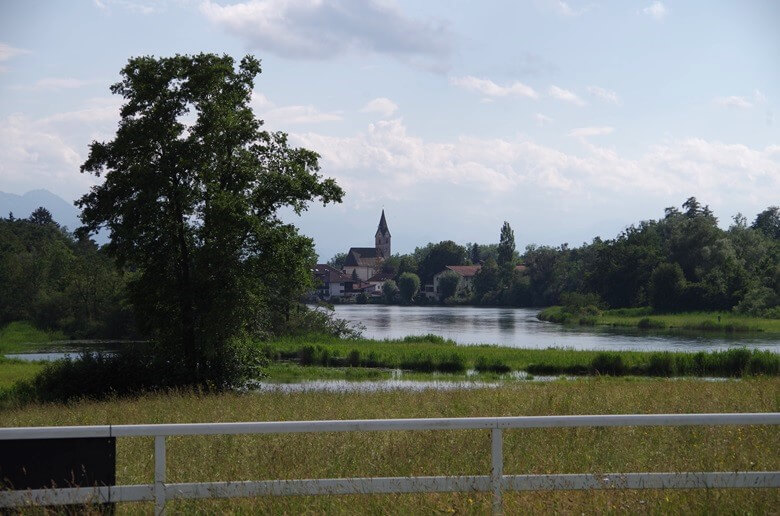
191	193
59	282
683	261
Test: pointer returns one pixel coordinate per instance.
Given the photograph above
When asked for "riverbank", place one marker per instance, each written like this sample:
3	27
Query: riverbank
430	353
642	318
582	450
19	336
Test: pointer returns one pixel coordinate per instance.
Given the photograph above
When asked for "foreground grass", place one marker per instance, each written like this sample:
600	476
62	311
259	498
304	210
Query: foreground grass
431	353
723	322
451	452
17	336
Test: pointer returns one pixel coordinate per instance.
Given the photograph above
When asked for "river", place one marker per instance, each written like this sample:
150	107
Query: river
519	327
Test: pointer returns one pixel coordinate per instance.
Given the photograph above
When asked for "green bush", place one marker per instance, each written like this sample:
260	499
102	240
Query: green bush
608	364
353	359
453	363
483	365
137	370
660	364
647	323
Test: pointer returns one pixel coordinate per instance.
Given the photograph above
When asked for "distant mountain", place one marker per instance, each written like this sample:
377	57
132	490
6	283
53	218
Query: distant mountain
63	212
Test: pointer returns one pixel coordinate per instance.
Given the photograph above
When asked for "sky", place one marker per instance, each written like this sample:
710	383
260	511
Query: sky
568	119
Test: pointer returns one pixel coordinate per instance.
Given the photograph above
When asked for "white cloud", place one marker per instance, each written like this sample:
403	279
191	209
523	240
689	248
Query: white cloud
734	101
8	52
277	117
605	95
386	161
60	83
565	95
317	29
491	89
47	152
583	132
382	105
563	7
542	120
134	6
656	10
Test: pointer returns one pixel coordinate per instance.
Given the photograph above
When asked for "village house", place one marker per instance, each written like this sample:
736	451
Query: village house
362	270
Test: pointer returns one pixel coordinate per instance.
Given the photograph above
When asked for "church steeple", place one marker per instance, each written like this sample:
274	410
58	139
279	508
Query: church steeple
382	237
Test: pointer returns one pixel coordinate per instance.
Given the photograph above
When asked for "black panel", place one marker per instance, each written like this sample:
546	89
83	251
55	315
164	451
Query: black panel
44	463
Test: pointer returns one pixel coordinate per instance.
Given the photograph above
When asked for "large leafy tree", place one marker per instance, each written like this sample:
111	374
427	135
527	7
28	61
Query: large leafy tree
191	193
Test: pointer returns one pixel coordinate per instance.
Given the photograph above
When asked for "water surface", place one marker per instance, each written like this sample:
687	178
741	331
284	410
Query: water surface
519	327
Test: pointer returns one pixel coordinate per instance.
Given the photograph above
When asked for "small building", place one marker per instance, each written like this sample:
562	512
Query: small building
332	283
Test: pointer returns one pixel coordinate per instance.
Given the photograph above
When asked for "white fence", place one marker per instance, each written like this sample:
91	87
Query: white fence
496	482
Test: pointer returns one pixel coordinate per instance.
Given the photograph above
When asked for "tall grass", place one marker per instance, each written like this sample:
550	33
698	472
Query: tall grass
643	318
437	354
339	455
729	363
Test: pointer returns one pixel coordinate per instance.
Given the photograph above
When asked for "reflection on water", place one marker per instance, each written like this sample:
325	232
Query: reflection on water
53	355
519	327
368	386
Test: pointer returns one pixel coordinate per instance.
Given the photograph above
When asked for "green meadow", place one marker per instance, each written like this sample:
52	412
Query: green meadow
581	450
643	318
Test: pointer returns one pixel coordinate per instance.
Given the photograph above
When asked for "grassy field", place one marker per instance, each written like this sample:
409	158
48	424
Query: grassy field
431	353
451	452
723	322
16	336
12	371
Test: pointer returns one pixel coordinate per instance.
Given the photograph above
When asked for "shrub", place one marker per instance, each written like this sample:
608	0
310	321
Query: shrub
453	363
140	369
390	291
660	364
608	364
408	285
483	365
646	323
353	358
448	284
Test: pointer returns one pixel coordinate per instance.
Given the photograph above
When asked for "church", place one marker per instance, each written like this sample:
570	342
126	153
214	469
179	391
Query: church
361	272
366	262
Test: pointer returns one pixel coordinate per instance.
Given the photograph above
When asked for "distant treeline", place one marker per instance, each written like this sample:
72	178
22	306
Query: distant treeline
60	282
680	262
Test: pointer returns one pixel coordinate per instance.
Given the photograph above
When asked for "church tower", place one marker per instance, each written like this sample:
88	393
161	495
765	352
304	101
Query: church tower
382	238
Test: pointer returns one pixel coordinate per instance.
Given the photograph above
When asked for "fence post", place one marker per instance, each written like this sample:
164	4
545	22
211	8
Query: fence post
497	469
159	475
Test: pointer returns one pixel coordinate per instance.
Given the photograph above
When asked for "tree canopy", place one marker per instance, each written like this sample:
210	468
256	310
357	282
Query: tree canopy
190	196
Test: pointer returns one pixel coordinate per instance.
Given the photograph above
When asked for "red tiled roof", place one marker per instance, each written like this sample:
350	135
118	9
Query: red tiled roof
466	271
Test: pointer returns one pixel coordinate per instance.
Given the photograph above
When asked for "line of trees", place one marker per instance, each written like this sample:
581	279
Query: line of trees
60	282
682	261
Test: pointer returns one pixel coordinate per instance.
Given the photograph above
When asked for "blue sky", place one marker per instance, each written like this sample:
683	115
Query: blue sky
569	119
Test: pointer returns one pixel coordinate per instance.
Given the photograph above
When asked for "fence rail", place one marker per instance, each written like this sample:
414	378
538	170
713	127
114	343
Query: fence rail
496	482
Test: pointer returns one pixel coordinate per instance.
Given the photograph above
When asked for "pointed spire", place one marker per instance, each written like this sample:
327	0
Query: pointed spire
383	229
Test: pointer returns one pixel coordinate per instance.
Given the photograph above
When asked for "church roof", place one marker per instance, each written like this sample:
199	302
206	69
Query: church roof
383	229
361	257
